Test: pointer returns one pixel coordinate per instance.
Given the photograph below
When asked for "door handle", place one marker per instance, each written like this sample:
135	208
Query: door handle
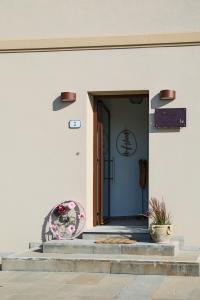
112	177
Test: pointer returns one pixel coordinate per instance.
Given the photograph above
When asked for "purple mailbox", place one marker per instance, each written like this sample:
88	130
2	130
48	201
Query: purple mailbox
170	117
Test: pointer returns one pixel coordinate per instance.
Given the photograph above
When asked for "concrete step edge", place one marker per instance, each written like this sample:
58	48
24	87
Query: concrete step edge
90	247
148	261
101	265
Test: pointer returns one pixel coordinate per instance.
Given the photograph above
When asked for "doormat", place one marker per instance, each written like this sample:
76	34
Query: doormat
115	241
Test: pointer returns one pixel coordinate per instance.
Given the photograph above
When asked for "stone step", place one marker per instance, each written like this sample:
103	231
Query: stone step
139	233
79	246
184	264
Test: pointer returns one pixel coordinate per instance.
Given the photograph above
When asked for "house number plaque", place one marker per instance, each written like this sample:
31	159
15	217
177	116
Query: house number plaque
74	124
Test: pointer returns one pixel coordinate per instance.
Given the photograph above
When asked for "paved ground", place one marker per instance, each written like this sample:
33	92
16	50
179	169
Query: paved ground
95	286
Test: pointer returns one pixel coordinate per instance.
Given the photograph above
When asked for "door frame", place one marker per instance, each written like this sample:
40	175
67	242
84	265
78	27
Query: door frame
93	95
102	219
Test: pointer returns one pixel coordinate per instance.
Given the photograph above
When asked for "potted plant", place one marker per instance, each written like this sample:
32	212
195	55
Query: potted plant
160	228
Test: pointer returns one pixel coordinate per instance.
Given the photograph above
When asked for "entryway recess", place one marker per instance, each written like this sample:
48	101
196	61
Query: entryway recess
121	155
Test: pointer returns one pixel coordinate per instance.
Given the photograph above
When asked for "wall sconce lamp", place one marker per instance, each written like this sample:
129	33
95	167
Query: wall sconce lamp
167	95
68	97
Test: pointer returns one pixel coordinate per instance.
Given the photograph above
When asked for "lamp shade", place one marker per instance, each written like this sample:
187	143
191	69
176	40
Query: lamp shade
167	95
68	97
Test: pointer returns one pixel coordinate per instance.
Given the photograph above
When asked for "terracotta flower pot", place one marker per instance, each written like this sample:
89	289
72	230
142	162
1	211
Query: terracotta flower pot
160	233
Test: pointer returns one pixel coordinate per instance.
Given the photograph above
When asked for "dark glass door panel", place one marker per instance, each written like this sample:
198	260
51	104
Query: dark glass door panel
103	163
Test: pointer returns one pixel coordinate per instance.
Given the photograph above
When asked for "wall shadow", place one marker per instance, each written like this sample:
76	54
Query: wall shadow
46	234
156	102
58	104
153	129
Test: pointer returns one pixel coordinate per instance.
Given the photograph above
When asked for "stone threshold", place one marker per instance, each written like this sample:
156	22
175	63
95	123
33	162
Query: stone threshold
117	229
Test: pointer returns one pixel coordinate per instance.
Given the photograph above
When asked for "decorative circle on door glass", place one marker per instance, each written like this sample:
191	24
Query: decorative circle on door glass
126	143
67	220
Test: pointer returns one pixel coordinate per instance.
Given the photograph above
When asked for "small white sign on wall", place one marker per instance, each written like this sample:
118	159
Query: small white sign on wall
74	124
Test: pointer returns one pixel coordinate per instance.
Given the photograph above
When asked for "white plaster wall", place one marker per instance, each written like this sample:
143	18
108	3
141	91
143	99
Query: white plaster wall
21	19
126	195
39	165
